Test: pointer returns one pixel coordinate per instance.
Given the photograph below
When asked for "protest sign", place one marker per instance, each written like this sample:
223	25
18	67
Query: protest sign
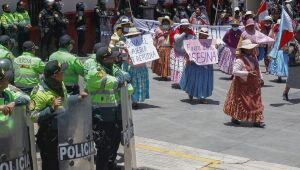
202	52
141	49
149	26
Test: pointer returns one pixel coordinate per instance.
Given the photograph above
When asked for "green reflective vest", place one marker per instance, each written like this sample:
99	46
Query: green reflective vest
28	68
104	90
6	53
90	64
7	20
22	18
42	97
74	69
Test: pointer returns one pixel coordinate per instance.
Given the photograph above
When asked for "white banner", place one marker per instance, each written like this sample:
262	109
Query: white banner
216	32
141	49
202	52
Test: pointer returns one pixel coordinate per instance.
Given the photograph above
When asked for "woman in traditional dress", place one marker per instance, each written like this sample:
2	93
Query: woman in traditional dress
197	80
279	57
139	75
161	67
293	80
243	102
178	54
231	39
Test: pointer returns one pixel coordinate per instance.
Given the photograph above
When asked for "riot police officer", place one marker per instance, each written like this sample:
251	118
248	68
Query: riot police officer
8	22
101	17
91	63
47	24
5	47
28	68
61	22
23	23
103	84
74	69
80	28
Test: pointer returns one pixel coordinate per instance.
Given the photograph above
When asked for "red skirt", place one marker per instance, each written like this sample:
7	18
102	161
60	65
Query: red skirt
161	67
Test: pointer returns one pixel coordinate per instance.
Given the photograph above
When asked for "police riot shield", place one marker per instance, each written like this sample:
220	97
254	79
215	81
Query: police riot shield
128	131
106	28
15	150
75	140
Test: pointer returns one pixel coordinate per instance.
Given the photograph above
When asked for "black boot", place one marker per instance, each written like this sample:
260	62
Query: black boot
235	121
259	124
285	96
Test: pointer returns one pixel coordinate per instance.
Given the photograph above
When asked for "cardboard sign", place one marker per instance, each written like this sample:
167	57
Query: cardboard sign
141	49
202	52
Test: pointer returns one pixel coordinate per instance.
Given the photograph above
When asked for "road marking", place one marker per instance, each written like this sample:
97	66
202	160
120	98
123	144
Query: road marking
212	164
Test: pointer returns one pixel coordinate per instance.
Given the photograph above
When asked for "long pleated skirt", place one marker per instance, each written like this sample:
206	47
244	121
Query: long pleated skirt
279	65
227	58
198	81
140	83
177	64
161	67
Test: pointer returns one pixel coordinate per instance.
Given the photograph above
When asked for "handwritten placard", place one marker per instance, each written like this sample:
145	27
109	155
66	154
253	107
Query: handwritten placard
202	52
141	49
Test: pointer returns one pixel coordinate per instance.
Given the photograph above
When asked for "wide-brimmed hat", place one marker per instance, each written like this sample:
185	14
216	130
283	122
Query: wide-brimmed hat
133	31
204	31
268	18
236	9
165	18
250	22
247	44
288	0
184	22
249	13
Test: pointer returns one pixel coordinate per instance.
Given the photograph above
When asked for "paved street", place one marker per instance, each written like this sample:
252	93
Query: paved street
169	117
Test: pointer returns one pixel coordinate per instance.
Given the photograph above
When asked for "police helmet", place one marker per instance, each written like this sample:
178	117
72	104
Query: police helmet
80	6
49	2
6	69
4	40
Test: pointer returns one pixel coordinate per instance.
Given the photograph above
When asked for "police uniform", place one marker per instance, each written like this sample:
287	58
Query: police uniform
61	23
28	68
23	22
91	63
103	85
74	66
46	24
42	112
100	18
80	28
8	23
4	51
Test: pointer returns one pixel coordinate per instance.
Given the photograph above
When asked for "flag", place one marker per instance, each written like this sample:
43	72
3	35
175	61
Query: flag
286	29
262	11
285	33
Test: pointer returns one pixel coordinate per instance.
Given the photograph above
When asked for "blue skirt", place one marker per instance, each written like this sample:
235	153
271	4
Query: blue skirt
262	53
279	65
198	81
140	83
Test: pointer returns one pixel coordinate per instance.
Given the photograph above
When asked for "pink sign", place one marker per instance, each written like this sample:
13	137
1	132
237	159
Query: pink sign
202	52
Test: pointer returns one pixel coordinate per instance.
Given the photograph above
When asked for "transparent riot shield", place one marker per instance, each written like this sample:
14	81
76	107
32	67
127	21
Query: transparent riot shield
106	29
14	141
75	141
128	131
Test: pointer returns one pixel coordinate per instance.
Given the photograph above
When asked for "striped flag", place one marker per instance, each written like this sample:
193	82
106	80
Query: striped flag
286	28
262	11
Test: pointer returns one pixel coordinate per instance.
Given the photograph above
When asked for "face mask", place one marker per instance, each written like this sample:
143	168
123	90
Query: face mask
126	30
165	27
235	28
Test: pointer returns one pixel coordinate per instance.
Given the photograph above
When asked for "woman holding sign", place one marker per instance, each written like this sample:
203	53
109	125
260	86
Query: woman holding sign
161	67
243	102
138	73
197	80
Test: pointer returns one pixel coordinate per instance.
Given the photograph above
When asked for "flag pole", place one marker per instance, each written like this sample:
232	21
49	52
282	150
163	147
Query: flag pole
216	12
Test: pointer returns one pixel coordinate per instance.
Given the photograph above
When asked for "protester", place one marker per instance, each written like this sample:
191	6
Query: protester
293	80
231	39
237	14
198	80
161	67
178	54
180	14
243	102
139	75
199	18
